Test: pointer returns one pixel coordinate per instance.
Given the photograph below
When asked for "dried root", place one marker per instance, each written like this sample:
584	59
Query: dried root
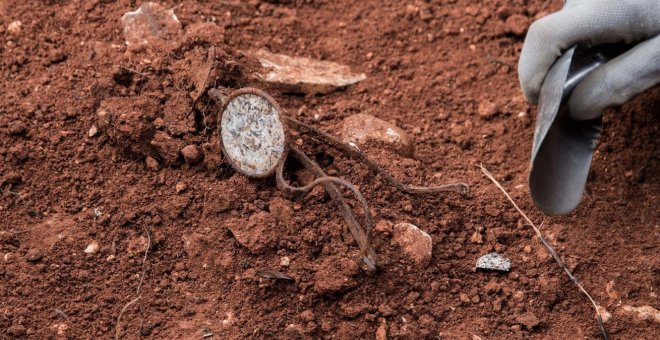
361	157
362	237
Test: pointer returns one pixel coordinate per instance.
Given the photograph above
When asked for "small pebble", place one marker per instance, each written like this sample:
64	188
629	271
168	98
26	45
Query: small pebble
528	320
464	298
381	332
494	261
416	244
92	248
15	27
93	131
192	154
180	187
487	109
383	226
33	255
285	261
152	164
477	238
605	315
516	24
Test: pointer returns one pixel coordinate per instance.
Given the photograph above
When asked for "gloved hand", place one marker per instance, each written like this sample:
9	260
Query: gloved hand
596	22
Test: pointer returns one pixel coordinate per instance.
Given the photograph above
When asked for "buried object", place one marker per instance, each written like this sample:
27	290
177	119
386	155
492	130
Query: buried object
563	147
254	137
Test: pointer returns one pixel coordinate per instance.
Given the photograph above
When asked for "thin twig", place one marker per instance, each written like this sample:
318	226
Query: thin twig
61	313
144	273
360	156
144	270
550	250
117	327
144	259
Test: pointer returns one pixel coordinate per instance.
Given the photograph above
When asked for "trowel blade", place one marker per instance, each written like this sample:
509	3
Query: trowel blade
563	147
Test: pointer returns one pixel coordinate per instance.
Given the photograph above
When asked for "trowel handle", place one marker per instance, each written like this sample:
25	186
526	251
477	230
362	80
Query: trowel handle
587	59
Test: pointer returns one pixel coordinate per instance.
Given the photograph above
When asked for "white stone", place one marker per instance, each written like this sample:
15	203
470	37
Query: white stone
92	248
646	313
92	131
416	244
150	21
303	75
15	27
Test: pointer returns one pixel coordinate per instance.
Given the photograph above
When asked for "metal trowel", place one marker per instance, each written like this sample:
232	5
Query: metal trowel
563	147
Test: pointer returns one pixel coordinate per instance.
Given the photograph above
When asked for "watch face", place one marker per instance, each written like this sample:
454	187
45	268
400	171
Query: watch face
252	133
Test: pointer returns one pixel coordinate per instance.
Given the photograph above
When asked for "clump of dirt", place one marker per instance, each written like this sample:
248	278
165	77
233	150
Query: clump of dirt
92	140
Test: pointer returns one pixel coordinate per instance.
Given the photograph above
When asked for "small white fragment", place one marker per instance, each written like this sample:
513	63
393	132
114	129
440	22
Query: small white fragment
229	320
92	131
644	313
285	261
303	75
494	261
15	27
92	248
150	21
604	313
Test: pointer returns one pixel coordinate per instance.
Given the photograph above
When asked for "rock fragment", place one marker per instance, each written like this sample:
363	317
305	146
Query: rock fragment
644	313
33	255
93	131
528	320
180	187
152	163
92	248
15	27
335	275
384	227
212	153
516	24
361	129
168	148
604	313
414	243
494	261
148	23
192	154
257	233
303	75
477	238
381	331
487	109
17	128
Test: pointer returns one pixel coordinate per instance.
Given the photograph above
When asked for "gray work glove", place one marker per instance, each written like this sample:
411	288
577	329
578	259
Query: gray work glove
595	22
